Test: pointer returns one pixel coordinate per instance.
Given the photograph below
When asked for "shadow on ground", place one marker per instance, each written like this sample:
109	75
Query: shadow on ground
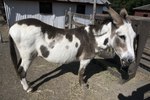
2	22
95	66
139	94
91	69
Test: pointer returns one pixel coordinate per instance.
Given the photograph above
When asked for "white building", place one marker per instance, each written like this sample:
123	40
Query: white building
49	11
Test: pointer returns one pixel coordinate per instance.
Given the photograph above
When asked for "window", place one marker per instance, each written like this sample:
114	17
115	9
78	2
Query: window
45	7
80	9
145	15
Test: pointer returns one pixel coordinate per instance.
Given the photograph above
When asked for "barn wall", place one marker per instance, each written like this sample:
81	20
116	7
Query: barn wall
59	11
141	13
89	9
17	10
29	9
60	8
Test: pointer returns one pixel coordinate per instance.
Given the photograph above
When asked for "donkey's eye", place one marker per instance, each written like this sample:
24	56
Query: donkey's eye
122	37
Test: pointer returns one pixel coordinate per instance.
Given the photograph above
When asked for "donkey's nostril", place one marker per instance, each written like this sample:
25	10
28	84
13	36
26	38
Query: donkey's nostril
130	60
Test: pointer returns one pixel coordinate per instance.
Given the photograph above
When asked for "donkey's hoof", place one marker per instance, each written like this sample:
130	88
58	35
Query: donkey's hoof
85	86
29	90
123	81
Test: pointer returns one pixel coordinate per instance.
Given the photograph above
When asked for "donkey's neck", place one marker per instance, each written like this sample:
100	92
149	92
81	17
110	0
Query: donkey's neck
102	39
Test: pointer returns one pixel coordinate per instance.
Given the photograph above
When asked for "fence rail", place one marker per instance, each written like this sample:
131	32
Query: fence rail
74	20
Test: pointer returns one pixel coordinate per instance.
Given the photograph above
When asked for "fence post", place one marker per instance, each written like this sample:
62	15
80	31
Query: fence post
1	39
94	11
143	32
70	18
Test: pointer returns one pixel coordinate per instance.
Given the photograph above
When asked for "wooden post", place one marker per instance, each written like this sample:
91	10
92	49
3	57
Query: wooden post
1	39
70	18
143	31
94	11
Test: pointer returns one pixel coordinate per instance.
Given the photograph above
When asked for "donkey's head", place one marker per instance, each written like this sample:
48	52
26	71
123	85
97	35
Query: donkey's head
122	36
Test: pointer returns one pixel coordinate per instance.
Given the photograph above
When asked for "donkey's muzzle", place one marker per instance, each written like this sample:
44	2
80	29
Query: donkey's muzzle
126	62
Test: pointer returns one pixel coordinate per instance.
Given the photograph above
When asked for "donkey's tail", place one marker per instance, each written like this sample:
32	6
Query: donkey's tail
13	54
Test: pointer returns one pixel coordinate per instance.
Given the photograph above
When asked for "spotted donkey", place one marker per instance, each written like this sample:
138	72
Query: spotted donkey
34	38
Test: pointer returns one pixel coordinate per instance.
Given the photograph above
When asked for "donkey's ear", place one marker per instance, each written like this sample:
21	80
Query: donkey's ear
124	13
117	20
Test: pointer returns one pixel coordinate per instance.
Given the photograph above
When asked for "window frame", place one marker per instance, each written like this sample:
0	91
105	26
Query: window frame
46	8
81	8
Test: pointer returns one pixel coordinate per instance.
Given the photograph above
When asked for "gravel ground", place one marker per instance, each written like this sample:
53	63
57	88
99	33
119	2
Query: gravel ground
56	82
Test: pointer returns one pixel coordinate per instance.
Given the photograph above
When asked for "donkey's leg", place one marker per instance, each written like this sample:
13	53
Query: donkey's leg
27	58
83	64
22	70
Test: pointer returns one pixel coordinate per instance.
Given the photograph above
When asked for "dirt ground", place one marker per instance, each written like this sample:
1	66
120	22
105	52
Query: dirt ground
56	82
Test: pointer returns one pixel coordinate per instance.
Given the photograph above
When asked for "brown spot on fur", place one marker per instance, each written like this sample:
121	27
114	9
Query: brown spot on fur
21	72
105	41
119	45
59	37
87	45
76	45
51	44
67	47
33	55
69	37
44	51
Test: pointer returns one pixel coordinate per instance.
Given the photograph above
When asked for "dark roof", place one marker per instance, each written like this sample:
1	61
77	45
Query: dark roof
75	1
88	1
145	7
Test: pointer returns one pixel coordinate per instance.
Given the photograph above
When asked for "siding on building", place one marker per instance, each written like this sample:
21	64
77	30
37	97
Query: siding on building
17	10
24	9
143	11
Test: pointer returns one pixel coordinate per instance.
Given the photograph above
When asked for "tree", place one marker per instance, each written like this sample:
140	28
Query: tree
128	4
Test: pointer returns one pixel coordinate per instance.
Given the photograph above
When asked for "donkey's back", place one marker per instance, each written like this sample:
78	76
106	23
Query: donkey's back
34	37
